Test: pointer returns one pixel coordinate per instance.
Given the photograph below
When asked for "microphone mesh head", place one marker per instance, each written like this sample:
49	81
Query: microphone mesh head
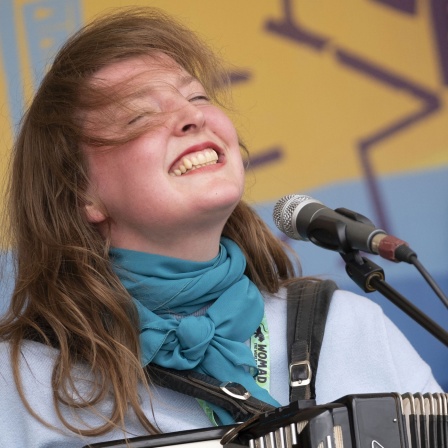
284	211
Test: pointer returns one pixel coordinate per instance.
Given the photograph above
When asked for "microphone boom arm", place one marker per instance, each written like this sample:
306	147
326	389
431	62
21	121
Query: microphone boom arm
370	277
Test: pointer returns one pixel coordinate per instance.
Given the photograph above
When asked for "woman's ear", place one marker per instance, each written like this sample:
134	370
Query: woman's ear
94	214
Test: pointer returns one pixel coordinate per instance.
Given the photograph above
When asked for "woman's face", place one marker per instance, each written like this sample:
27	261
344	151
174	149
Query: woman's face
177	182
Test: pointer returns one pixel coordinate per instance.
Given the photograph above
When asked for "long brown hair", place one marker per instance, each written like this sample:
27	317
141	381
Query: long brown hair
66	294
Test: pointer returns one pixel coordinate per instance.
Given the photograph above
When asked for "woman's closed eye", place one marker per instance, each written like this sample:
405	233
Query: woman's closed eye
135	119
199	98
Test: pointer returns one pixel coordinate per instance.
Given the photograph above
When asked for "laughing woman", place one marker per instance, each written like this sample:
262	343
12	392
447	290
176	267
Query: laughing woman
133	247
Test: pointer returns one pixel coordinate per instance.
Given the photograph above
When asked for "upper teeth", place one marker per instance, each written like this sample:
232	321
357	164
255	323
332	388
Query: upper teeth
195	160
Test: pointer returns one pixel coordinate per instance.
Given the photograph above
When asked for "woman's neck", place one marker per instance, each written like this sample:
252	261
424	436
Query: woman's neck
197	246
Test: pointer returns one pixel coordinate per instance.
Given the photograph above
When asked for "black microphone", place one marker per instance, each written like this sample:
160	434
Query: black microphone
303	218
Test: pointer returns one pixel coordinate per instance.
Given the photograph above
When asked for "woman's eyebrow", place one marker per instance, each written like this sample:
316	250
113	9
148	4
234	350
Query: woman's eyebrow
183	81
187	79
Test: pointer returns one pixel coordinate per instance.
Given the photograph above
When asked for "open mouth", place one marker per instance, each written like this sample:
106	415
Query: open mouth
194	161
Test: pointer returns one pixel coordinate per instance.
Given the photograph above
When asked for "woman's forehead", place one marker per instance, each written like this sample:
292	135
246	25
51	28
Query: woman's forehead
148	67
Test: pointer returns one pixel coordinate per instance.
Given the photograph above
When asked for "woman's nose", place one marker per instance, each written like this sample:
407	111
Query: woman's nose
189	118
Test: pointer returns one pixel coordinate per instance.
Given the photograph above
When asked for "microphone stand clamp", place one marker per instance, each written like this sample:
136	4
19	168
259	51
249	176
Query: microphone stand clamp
370	277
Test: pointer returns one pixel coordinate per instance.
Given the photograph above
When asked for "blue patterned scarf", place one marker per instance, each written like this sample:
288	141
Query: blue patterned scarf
168	293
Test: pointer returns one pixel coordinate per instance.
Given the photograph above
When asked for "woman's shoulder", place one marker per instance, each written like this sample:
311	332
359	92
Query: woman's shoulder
341	300
351	305
29	349
35	366
35	362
